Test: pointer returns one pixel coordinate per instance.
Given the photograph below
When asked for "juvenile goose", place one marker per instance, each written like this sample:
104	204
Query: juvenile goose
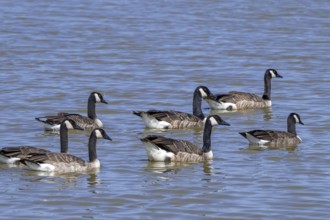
66	163
174	119
276	138
241	100
164	149
14	154
90	122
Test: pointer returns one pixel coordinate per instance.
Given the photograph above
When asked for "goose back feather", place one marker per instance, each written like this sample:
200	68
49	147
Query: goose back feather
169	119
12	155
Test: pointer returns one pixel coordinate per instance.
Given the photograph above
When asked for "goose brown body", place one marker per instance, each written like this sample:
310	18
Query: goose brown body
15	154
67	163
158	119
274	138
90	121
165	149
236	100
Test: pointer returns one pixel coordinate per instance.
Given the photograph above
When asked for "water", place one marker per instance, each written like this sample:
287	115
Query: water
152	54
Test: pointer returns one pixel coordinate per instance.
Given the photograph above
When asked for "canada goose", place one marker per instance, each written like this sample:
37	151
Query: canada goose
241	100
174	119
66	163
164	149
90	122
276	138
14	154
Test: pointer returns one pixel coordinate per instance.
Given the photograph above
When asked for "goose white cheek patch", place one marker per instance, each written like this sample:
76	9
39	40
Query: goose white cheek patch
68	125
97	97
213	121
202	92
98	134
296	118
272	73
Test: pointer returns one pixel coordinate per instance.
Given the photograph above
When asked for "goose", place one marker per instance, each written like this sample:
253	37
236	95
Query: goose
235	100
12	155
162	149
53	123
67	163
274	138
157	119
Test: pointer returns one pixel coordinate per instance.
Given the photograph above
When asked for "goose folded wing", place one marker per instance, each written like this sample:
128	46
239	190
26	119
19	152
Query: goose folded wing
54	119
235	96
55	158
21	151
79	118
170	116
175	146
270	134
57	119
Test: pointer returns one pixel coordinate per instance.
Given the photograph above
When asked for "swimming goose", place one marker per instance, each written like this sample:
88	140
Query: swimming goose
276	138
174	119
66	163
164	149
241	100
53	123
12	155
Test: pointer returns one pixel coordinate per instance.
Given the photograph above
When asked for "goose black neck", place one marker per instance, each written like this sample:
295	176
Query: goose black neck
267	86
292	125
207	137
92	148
91	107
197	105
64	139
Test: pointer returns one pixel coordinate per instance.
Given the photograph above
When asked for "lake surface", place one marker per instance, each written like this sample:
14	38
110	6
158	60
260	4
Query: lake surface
151	55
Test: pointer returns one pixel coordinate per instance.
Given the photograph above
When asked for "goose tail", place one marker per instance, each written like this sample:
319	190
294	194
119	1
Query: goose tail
137	113
243	134
41	119
23	161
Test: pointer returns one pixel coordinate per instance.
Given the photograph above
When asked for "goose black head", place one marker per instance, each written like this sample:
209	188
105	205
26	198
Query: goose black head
273	73
216	120
204	91
98	97
100	133
296	118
